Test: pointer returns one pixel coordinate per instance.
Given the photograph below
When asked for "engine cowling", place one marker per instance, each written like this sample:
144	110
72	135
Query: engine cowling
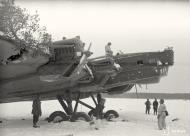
66	50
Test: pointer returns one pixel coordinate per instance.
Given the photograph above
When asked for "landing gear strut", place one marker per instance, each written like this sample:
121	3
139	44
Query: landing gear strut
73	115
98	111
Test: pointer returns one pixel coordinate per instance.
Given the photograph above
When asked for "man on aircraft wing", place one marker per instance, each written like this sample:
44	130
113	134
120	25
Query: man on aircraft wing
109	52
109	55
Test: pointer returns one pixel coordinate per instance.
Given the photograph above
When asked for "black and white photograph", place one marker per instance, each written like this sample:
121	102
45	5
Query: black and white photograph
94	68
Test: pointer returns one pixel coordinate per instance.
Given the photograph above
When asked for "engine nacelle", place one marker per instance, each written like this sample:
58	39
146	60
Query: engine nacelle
67	50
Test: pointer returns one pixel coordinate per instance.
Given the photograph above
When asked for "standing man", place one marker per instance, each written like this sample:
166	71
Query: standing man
147	103
161	115
155	106
99	111
36	111
100	106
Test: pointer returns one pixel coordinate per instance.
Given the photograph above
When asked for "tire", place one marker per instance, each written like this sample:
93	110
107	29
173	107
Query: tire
58	116
80	116
111	114
92	113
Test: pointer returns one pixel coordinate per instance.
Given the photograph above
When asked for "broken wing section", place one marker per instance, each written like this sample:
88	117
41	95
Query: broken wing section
15	64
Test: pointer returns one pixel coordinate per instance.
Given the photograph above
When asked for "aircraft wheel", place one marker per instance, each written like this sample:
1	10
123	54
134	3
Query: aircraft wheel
58	116
80	116
92	113
111	114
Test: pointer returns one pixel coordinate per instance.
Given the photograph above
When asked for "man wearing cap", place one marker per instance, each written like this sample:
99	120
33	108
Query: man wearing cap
161	115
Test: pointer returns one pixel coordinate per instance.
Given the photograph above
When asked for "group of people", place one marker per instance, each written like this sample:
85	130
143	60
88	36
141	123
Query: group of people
148	106
160	111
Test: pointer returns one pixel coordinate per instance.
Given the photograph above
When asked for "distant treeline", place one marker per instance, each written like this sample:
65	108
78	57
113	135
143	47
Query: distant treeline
185	96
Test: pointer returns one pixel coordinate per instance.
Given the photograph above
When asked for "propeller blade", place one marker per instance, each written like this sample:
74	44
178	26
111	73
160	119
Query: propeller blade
82	62
84	57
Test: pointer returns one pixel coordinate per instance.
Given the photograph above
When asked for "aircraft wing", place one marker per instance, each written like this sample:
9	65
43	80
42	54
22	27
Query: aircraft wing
128	78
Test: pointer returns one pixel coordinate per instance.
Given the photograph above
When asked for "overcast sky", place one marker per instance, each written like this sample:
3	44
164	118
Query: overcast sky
130	26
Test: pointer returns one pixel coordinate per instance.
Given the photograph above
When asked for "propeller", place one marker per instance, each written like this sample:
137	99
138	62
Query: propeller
82	63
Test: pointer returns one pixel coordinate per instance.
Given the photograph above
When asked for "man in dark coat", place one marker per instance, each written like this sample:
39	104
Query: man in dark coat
100	106
147	103
36	111
155	106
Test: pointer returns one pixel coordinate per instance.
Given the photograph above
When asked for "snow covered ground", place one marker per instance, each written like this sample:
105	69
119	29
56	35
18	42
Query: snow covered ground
17	120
